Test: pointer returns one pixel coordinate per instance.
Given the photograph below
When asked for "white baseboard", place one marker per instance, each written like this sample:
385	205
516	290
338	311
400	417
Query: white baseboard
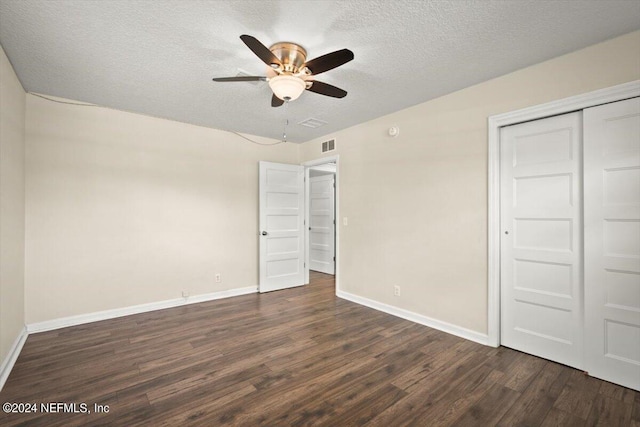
10	359
417	318
80	319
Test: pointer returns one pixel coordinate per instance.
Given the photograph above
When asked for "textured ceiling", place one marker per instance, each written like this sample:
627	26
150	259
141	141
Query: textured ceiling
157	57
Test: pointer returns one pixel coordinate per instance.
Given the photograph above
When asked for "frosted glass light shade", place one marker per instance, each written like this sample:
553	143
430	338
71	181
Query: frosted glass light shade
287	88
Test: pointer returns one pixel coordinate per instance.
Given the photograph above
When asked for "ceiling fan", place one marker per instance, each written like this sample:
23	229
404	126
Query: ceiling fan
289	72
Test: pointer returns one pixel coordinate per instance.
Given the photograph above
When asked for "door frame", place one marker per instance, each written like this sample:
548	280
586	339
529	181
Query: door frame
562	106
307	165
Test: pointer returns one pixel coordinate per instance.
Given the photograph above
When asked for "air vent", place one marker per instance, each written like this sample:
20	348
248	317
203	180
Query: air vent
243	73
312	123
329	145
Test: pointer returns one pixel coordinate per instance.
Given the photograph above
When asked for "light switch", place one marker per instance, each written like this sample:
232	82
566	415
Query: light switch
345	221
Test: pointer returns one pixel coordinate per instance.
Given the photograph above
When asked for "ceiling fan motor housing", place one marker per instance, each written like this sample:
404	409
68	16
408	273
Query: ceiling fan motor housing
292	56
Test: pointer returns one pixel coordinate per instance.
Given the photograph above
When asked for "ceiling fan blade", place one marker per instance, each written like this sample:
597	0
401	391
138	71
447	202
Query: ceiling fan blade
275	101
260	50
329	61
240	79
327	89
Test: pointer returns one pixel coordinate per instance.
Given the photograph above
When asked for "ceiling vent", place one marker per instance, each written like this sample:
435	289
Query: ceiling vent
329	145
312	123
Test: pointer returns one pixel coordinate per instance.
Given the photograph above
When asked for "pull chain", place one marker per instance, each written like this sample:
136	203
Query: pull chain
286	122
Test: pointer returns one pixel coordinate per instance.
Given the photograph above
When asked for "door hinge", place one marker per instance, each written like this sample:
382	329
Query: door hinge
334	259
334	185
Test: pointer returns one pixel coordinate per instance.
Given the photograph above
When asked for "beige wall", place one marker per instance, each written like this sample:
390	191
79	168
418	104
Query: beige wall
417	203
124	209
12	121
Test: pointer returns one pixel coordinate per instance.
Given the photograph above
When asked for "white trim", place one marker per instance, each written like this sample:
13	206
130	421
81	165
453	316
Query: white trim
329	159
12	356
449	328
566	105
64	322
322	160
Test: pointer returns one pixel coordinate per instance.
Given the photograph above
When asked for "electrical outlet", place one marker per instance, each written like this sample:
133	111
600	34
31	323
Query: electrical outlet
218	278
185	294
396	291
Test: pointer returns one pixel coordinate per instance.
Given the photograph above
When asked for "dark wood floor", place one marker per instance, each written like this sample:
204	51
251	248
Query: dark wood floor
297	357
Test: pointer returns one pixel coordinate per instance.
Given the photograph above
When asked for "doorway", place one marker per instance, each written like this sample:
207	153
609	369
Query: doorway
284	218
321	217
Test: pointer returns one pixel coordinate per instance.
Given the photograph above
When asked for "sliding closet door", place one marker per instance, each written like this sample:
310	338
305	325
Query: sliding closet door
541	248
612	241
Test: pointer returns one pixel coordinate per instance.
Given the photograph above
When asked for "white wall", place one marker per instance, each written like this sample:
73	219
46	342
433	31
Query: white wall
12	164
124	209
417	203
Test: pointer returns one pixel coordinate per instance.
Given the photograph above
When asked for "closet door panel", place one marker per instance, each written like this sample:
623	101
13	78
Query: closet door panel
541	245
612	241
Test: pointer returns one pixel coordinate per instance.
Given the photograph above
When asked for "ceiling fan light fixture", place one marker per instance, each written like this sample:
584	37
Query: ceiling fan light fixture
287	88
288	71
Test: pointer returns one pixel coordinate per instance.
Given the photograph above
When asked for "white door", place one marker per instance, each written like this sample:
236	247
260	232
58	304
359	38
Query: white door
541	229
322	224
612	241
281	226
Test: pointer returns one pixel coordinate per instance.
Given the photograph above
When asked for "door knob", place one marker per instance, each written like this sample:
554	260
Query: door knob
264	233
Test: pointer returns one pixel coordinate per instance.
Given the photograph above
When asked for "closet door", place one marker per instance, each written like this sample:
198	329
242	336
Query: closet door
541	247
612	241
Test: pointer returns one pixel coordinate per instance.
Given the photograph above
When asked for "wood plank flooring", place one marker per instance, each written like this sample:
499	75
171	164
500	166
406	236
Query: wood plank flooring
298	357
